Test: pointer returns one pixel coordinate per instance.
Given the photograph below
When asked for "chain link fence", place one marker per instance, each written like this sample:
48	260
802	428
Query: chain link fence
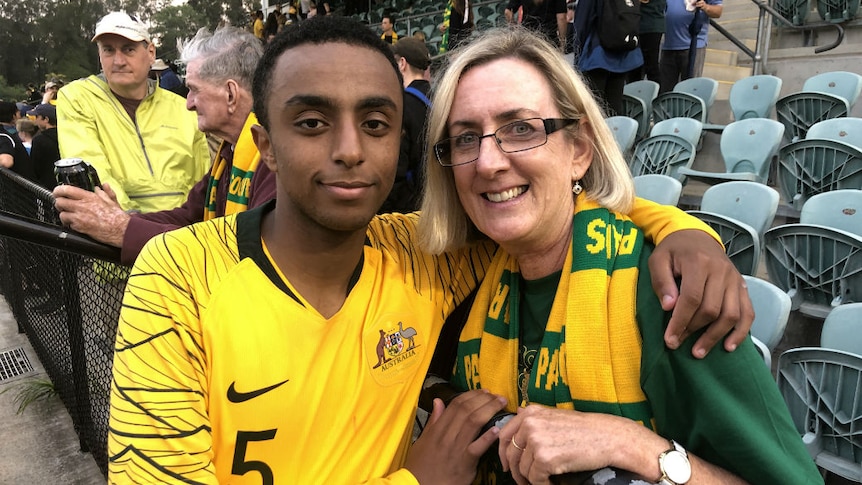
65	291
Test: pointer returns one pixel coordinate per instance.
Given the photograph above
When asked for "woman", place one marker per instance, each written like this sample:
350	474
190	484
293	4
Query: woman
565	326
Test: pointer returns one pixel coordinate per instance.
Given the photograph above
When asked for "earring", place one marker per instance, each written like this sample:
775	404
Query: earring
577	189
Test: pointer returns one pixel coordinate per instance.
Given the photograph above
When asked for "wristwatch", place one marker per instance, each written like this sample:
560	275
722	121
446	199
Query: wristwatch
674	465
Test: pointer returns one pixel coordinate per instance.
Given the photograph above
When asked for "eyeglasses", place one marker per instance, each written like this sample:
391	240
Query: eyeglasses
517	136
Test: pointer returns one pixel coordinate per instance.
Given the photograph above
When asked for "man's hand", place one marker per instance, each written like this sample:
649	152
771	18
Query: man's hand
96	214
449	448
712	292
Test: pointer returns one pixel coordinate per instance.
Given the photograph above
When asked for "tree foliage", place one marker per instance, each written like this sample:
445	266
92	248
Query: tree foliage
39	39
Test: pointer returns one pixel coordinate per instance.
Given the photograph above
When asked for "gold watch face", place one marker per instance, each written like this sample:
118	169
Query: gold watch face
676	467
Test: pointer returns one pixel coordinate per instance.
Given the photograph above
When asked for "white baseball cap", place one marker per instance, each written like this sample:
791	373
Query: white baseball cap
124	25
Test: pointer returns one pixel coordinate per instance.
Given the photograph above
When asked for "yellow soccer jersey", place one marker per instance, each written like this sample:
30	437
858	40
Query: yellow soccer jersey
224	374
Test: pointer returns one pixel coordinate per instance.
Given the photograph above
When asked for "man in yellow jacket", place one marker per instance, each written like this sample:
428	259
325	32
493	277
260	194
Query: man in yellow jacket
141	139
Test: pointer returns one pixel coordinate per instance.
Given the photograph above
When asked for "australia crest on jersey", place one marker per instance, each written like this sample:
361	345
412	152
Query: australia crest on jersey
395	346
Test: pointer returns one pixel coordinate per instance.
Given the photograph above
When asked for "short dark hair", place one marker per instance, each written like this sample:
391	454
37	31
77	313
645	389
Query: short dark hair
8	110
316	30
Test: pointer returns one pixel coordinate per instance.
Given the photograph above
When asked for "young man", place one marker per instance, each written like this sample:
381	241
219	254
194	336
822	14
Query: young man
142	141
313	375
413	61
220	69
387	25
46	149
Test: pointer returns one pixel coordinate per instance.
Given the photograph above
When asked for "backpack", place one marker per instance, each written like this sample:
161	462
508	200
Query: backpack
619	24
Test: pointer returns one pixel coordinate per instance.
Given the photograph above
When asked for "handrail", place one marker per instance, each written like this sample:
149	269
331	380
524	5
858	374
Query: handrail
35	232
757	55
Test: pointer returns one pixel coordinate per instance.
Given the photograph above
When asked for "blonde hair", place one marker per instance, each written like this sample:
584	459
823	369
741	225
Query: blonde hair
444	224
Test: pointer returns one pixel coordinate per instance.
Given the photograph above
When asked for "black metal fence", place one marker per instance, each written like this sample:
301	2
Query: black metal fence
65	292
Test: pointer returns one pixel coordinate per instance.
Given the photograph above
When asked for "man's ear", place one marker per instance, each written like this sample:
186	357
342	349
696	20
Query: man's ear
264	146
232	95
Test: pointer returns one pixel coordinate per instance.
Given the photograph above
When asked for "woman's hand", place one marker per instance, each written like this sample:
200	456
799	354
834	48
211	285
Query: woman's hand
449	448
553	442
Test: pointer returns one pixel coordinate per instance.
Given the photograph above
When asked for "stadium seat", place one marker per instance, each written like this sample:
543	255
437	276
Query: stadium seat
823	96
842	329
752	97
823	391
662	154
625	130
847	130
795	11
747	147
740	212
687	128
637	103
771	311
813	166
661	189
818	261
691	98
837	11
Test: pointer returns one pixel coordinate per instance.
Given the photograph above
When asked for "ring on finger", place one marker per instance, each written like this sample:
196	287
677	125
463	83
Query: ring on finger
516	444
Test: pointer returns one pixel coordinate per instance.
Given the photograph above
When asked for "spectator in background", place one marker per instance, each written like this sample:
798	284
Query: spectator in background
604	70
167	78
13	155
257	26
651	31
457	24
570	27
52	87
686	30
270	26
34	95
387	25
545	17
142	141
419	34
27	129
220	68
413	61
46	148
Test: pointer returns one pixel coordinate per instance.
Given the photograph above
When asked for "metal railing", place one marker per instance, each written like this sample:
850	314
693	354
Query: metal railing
759	54
65	291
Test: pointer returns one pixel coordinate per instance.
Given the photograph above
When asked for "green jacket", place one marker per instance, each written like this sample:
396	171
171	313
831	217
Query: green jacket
152	163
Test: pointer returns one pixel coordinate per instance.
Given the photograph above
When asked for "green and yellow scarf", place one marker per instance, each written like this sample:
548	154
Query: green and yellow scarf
590	355
245	161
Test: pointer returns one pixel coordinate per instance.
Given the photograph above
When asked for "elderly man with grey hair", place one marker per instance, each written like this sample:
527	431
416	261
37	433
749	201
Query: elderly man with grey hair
219	71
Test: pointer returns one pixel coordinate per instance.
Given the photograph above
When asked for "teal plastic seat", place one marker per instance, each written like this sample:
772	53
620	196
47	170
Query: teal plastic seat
795	11
837	11
799	111
662	154
747	147
740	212
687	128
813	166
823	392
691	98
661	189
841	209
625	131
754	96
818	261
771	311
846	130
751	203
741	242
637	103
844	84
842	329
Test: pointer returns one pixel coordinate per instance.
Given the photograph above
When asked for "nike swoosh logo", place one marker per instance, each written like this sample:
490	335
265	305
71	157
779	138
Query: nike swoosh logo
237	397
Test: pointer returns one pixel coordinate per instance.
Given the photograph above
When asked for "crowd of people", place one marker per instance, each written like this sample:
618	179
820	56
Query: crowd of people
279	321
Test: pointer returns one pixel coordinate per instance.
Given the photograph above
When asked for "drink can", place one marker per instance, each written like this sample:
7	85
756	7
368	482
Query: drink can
76	172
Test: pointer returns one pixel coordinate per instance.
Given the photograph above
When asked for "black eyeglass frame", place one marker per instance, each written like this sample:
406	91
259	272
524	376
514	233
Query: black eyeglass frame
552	125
